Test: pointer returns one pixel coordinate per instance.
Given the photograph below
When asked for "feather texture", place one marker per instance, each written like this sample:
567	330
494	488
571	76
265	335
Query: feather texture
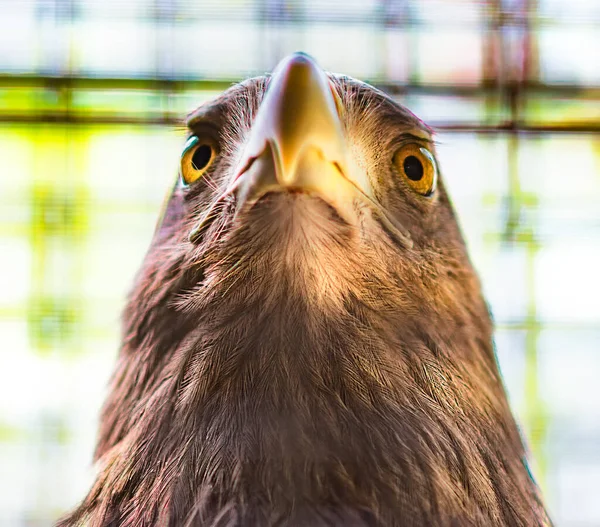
289	369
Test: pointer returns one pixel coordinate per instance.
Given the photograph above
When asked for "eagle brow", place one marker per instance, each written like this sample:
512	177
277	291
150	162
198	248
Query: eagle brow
414	137
207	114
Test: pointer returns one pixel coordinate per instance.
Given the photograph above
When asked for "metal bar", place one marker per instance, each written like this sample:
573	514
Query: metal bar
183	84
162	120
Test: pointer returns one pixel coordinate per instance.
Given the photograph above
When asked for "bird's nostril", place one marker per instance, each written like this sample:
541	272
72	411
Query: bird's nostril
245	167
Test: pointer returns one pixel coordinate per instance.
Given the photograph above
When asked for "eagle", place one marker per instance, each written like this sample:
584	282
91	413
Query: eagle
306	342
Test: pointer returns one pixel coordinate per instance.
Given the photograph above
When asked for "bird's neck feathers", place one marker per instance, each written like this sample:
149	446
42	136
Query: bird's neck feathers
258	400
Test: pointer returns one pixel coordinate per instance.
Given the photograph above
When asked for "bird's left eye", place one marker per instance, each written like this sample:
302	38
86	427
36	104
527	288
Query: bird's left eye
197	157
418	167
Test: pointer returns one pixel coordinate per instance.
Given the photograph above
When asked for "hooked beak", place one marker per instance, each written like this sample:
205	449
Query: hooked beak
297	143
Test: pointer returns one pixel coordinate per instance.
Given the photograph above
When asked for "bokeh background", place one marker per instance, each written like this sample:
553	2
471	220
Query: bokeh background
91	93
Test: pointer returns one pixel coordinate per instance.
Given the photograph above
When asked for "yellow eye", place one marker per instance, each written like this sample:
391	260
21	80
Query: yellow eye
418	167
197	157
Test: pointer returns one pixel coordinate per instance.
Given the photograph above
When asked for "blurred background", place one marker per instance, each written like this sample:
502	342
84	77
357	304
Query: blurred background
91	93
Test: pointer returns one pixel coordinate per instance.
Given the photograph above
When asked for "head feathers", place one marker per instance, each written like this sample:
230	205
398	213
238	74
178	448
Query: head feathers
285	367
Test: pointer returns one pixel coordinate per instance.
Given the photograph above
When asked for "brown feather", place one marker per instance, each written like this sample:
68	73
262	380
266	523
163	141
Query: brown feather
290	370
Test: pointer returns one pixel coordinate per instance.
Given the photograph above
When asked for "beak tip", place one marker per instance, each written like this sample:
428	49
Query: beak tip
302	56
298	65
297	58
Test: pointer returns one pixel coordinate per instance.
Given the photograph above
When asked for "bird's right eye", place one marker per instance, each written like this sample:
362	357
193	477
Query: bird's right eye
197	157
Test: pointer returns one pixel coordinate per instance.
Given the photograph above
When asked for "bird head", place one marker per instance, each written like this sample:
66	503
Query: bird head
317	185
306	342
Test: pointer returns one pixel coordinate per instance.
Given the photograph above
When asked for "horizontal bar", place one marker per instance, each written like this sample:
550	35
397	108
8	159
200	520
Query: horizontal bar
45	117
491	87
513	128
